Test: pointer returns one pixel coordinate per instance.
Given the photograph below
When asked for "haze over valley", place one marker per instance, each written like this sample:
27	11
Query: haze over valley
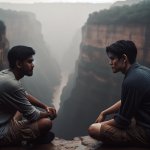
71	68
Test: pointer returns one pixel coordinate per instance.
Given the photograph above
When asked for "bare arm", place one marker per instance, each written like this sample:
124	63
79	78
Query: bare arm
110	122
112	109
49	111
34	101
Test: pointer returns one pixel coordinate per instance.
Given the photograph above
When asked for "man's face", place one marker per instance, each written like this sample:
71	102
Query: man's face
116	63
27	66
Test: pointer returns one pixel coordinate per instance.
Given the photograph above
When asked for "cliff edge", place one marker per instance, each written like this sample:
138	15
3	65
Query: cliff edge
78	143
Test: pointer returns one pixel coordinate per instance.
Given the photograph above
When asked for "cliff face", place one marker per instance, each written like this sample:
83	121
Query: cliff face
96	86
3	46
102	35
22	28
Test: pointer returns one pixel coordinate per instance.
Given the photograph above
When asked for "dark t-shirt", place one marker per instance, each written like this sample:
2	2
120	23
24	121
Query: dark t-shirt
135	98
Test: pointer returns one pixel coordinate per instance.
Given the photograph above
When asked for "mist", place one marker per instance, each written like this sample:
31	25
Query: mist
71	69
61	25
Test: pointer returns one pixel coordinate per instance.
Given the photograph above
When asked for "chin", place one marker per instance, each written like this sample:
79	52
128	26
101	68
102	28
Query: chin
29	74
114	71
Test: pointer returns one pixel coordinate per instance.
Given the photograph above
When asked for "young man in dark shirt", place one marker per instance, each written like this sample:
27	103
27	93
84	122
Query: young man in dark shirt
131	122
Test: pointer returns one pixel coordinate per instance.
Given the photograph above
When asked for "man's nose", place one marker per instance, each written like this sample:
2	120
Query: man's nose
32	65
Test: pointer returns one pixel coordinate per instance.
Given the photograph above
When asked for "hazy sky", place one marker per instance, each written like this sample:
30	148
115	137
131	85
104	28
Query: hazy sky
31	1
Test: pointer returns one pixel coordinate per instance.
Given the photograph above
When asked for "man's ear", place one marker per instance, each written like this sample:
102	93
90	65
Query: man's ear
18	64
125	58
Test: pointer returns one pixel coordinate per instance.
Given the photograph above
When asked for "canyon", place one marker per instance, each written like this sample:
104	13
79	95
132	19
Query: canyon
92	86
96	87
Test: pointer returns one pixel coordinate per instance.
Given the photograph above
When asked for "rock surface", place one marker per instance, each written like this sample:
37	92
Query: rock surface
78	143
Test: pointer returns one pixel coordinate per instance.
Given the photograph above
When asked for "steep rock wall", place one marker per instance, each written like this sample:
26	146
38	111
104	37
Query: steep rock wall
22	28
4	45
102	35
96	86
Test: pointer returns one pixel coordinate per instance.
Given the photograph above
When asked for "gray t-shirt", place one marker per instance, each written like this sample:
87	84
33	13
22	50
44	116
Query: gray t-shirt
13	98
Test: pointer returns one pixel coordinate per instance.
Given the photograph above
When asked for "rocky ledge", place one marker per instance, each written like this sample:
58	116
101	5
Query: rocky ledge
78	143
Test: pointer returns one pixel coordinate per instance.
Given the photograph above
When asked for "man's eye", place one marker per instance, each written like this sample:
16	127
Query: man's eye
111	58
30	62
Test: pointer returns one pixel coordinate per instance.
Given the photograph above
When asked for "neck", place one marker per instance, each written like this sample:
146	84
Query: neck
126	68
17	73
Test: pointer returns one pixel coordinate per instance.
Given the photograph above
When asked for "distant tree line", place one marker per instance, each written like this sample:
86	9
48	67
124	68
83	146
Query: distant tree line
134	14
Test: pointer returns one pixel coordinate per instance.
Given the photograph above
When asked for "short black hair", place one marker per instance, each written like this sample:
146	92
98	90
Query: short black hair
19	53
123	47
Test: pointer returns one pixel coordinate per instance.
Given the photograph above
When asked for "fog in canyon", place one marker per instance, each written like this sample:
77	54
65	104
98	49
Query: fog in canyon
71	67
61	28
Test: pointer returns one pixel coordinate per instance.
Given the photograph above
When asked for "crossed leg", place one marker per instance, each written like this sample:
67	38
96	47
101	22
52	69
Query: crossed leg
109	134
23	130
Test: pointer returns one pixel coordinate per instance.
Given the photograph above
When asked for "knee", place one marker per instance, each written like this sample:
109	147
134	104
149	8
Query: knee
91	129
44	124
94	130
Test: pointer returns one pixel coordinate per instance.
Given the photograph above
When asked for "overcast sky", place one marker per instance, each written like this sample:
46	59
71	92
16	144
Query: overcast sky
31	1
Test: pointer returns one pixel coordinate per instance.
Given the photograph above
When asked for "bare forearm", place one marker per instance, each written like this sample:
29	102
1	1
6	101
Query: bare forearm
108	111
44	114
35	101
49	111
110	122
113	108
47	115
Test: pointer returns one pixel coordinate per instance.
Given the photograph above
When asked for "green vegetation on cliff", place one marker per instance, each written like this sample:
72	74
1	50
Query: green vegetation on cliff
138	13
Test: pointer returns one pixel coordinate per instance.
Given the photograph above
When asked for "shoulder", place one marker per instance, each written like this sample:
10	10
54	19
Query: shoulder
8	82
137	76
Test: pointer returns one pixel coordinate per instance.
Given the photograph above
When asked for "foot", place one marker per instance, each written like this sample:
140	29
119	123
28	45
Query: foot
45	138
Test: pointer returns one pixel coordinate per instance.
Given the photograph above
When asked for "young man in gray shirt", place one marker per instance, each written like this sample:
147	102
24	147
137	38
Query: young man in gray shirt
15	100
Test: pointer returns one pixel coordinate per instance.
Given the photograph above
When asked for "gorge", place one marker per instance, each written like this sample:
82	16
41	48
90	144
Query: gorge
95	86
92	86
